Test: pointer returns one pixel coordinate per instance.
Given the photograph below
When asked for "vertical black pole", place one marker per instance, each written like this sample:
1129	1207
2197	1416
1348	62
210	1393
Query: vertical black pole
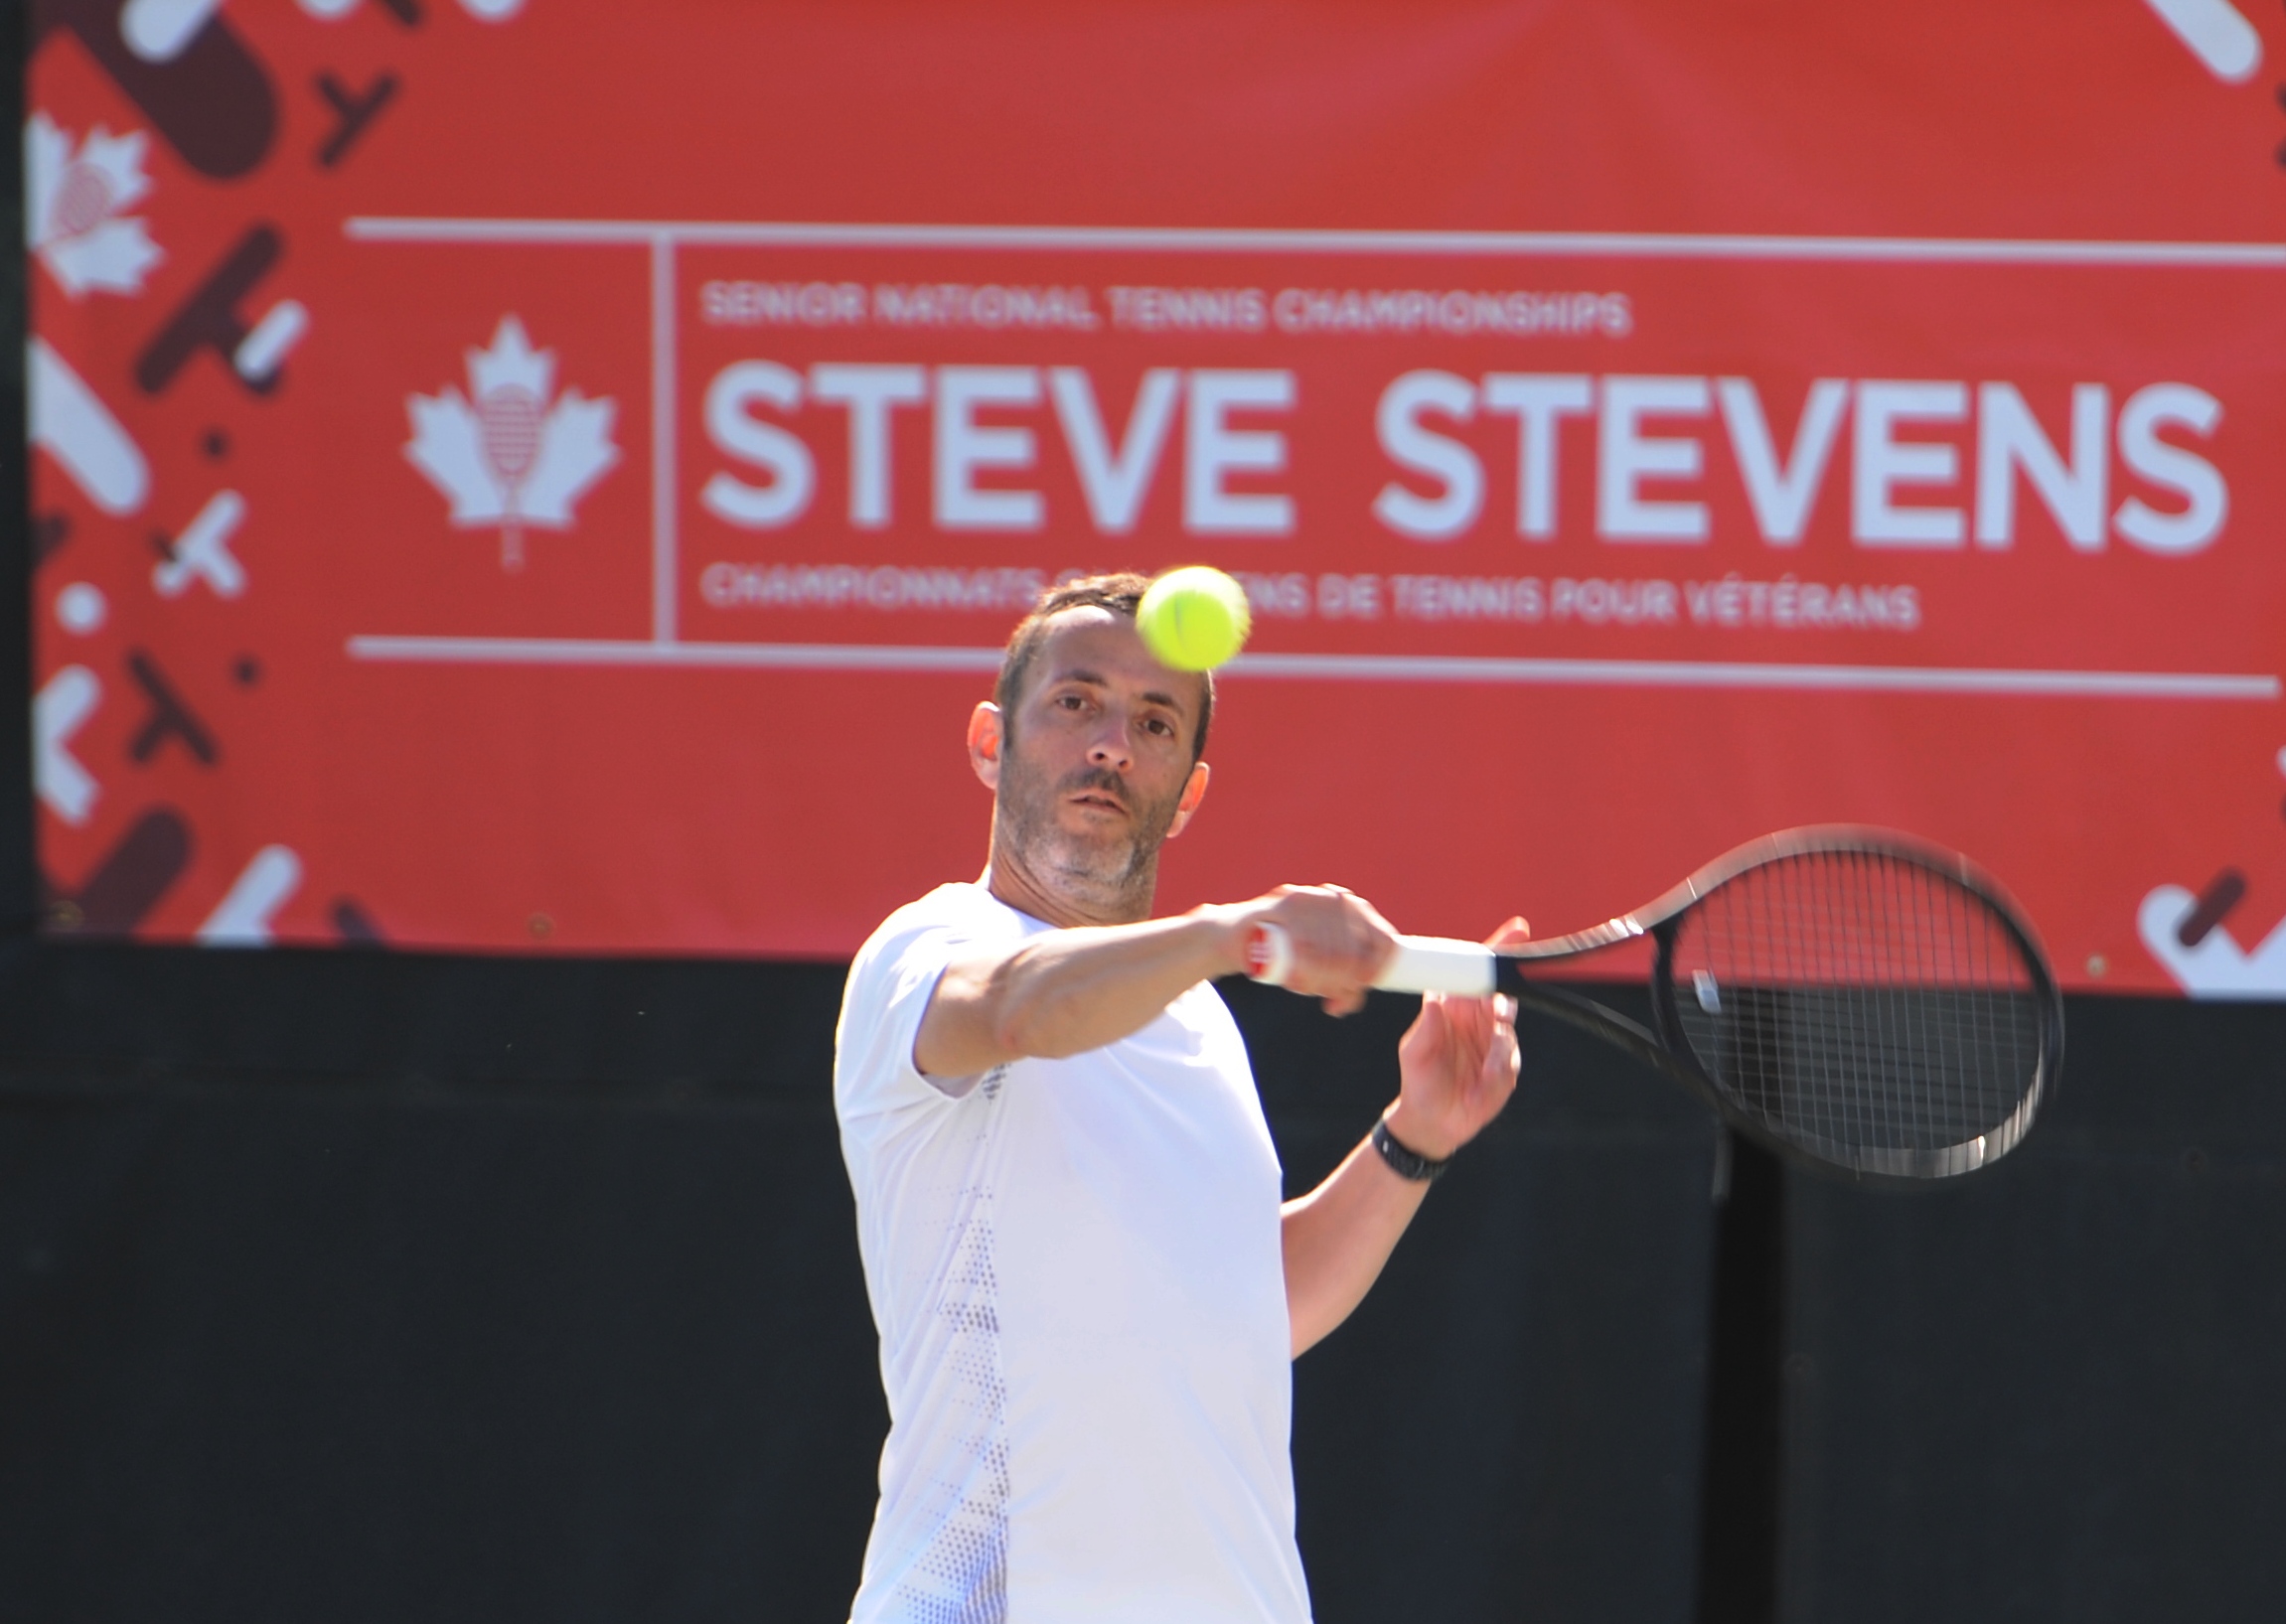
1744	1466
17	900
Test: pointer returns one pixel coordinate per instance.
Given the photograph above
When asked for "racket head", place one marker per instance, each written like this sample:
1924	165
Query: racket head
510	425
1859	1000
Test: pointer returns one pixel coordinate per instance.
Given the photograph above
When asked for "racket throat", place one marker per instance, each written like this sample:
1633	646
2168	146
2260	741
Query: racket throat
1578	1010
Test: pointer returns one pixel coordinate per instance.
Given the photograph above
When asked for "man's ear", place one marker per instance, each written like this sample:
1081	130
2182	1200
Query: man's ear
985	743
1193	791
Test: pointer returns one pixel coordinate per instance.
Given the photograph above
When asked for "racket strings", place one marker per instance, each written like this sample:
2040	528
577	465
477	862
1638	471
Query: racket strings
1860	1006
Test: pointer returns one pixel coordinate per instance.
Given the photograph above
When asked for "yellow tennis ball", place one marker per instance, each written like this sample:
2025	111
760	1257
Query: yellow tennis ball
1193	619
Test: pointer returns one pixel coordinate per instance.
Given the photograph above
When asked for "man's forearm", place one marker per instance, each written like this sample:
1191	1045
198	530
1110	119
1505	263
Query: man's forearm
1337	1238
1070	991
1457	1066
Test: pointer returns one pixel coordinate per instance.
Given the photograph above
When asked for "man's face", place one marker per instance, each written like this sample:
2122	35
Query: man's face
1096	758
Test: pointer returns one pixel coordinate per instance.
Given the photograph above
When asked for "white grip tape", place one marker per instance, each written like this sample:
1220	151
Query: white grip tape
1269	955
1421	964
1436	964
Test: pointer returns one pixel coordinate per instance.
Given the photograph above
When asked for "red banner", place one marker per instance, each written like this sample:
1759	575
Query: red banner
554	477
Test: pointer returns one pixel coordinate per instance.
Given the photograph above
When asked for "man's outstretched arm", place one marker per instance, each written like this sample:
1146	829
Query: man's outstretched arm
1067	991
1459	1066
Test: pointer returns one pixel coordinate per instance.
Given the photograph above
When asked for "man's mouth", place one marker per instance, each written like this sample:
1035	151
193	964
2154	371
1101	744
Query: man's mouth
1097	792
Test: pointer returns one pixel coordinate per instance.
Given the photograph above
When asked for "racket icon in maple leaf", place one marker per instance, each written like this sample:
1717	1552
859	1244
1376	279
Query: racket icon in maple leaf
77	211
510	453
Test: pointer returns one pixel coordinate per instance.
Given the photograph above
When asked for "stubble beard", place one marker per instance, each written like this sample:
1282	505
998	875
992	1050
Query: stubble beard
1113	875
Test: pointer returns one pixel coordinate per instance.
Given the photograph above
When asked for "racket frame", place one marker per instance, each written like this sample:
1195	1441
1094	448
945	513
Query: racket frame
1667	1046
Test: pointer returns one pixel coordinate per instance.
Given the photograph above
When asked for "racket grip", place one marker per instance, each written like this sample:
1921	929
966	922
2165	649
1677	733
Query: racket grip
1421	964
1269	955
1436	964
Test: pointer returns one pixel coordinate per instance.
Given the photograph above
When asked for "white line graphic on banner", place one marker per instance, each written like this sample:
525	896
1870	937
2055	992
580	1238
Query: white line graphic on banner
1684	673
663	540
666	647
1898	250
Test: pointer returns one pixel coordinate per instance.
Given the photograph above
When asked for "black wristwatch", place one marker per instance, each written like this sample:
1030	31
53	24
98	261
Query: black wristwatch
1407	1163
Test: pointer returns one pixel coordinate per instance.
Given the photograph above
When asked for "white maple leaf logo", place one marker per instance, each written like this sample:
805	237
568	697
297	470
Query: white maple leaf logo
505	455
74	197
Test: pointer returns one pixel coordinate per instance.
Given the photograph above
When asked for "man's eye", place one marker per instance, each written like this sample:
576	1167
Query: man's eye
1161	726
1070	701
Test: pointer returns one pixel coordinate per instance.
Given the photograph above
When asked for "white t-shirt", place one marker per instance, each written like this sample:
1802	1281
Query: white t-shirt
1075	1269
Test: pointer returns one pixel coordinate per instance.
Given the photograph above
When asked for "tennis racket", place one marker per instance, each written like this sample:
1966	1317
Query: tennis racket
1849	995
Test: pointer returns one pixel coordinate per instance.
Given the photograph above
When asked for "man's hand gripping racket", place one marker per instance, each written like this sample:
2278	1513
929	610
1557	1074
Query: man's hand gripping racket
1847	995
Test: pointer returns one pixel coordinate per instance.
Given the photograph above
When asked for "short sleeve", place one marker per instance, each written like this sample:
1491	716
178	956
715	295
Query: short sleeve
890	983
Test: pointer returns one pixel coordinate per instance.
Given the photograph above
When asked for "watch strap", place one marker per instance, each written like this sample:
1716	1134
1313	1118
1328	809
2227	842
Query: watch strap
1405	1161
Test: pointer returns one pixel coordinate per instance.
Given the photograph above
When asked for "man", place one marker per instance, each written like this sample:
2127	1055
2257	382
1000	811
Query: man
1068	1204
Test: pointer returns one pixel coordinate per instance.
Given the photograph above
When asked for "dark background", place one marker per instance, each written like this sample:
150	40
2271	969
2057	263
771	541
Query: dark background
507	1289
365	1285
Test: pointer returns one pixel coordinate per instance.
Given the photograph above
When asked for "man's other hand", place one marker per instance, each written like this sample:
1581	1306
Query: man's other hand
1459	1065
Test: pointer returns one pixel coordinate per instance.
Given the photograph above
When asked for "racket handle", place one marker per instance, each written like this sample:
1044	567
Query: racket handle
1421	964
1437	964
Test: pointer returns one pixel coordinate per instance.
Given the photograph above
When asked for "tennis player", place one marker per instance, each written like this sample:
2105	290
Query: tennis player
1088	1293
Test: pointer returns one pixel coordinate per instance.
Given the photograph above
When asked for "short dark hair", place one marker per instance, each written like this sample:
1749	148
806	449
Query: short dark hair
1119	593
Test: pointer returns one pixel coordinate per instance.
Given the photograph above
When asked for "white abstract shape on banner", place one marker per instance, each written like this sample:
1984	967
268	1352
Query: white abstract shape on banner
242	918
263	351
202	551
80	432
159	31
2215	966
2217	33
506	454
66	788
82	608
76	203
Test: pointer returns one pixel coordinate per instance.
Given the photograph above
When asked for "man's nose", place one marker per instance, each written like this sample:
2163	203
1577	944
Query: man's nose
1111	747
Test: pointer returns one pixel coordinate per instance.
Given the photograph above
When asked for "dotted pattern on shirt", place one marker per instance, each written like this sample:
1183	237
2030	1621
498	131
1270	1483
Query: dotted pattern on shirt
963	1575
